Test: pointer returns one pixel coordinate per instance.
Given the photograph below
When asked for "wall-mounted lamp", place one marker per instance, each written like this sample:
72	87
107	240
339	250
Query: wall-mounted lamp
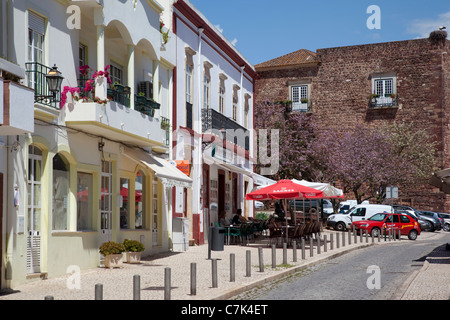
101	144
54	80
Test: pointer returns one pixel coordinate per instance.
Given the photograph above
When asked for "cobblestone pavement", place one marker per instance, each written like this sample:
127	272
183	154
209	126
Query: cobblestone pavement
431	282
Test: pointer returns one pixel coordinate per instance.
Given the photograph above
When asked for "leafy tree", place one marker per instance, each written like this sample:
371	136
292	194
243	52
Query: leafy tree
296	133
366	160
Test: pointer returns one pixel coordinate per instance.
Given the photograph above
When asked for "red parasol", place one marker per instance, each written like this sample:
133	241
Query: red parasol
285	189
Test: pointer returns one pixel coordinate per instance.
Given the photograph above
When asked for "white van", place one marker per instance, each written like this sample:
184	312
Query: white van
346	205
341	221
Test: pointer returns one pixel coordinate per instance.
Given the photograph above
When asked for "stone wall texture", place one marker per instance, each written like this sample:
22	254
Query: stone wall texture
341	84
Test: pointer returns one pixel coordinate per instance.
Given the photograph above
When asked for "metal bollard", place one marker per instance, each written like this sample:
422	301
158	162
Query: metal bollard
98	291
373	239
214	272
349	237
343	239
399	234
360	236
193	278
284	253
136	287
274	256
167	281
337	241
311	247
261	260
318	245
324	243
248	263
331	242
303	249
232	267
294	251
367	236
355	235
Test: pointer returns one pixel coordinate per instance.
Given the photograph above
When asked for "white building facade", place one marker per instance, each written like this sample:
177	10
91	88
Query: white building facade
213	122
149	135
91	163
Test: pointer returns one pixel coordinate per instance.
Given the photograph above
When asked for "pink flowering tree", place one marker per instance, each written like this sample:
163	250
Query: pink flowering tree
296	133
366	160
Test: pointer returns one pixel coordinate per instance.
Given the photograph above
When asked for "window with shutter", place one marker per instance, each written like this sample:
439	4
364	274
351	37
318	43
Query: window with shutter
36	37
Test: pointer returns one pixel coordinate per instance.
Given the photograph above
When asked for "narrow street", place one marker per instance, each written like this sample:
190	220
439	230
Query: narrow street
346	277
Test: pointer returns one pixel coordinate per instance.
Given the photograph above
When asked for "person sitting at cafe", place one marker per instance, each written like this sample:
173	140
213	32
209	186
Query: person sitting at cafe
279	210
238	218
222	220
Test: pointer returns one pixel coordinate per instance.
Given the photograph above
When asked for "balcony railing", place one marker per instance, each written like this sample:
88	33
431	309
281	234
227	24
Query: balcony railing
383	102
165	125
36	80
120	94
214	120
302	106
145	105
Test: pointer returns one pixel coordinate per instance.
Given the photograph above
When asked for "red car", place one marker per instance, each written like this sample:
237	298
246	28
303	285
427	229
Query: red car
382	221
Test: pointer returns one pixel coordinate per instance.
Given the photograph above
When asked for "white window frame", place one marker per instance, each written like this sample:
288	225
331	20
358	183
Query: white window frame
116	73
206	91
189	82
36	37
384	85
235	102
298	93
222	96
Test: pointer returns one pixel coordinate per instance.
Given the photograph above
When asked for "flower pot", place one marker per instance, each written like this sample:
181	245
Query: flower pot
133	257
113	261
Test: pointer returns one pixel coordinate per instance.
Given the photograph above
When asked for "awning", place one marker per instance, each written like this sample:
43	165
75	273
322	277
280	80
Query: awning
166	172
257	179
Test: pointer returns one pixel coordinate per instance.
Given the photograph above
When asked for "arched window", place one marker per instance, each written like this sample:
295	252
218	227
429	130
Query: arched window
61	187
34	214
139	185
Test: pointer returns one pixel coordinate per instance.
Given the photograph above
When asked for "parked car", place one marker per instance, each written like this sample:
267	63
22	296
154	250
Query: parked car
341	221
327	207
433	215
380	222
425	225
259	205
446	217
435	224
346	205
310	205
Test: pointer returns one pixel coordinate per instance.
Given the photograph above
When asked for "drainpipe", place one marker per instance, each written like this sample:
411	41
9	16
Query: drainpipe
198	129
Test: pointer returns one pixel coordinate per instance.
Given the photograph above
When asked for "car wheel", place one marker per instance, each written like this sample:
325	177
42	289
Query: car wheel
375	232
340	226
446	227
412	235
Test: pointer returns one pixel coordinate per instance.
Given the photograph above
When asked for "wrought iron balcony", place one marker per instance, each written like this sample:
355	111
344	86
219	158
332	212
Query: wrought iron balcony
214	120
36	80
383	102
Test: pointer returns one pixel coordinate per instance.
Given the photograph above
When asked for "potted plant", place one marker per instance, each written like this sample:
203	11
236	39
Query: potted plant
304	100
113	253
133	249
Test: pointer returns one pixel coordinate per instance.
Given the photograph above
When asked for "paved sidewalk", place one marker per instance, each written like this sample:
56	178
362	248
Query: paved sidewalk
430	283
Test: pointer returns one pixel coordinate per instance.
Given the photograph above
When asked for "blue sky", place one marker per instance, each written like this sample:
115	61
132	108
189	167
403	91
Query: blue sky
266	29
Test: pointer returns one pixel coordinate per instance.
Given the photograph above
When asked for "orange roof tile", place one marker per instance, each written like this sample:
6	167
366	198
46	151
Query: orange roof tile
301	56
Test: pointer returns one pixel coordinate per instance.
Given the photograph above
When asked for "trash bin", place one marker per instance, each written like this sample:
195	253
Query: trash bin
218	238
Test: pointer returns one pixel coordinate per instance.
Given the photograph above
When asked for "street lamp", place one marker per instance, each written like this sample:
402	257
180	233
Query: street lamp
54	80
